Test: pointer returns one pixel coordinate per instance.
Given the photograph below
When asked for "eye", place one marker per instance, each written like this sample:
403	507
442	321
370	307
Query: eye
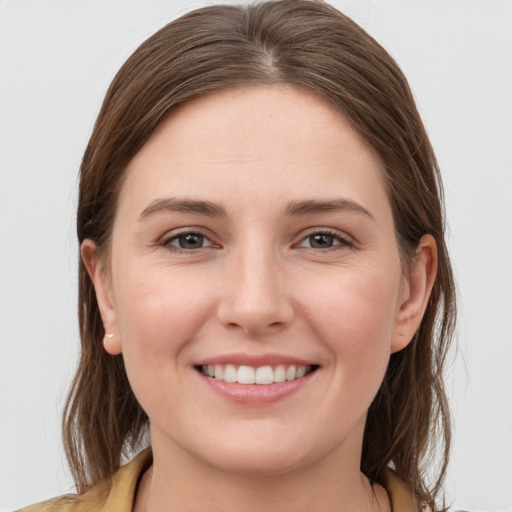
323	240
189	241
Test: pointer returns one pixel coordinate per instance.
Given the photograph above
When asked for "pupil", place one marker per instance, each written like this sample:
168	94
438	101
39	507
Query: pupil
321	241
191	241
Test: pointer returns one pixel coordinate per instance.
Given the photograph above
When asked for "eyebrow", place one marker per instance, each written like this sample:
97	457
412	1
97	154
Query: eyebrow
183	206
294	208
337	205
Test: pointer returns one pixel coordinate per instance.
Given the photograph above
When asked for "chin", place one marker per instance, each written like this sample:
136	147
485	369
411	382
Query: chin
255	462
261	451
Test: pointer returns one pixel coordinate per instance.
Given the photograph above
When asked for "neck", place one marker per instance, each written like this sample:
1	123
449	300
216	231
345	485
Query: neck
325	485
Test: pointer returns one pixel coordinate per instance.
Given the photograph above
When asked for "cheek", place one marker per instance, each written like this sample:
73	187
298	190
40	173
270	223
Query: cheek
159	311
354	313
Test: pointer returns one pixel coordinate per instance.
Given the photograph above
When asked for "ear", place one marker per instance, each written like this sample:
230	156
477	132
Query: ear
103	288
416	289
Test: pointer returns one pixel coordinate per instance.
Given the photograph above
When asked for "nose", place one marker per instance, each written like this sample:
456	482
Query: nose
255	298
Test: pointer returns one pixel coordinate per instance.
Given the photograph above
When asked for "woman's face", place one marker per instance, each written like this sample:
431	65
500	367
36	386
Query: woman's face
254	241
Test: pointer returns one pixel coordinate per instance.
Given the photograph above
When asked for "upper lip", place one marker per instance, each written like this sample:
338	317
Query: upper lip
255	361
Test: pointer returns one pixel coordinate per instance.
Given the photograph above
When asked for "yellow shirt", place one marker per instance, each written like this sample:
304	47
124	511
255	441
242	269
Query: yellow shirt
117	495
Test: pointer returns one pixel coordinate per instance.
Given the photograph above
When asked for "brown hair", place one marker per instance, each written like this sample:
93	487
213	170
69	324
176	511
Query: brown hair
312	45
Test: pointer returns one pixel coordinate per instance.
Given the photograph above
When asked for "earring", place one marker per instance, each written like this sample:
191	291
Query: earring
109	335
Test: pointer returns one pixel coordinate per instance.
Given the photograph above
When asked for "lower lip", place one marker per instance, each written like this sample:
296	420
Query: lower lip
256	394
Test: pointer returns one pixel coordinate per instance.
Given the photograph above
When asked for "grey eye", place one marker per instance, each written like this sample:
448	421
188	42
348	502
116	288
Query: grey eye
189	241
324	240
321	240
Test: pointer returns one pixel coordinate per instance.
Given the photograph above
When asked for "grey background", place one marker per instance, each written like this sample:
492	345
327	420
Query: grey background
57	58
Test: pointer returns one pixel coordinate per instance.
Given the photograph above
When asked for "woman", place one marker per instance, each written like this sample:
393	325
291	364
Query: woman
265	289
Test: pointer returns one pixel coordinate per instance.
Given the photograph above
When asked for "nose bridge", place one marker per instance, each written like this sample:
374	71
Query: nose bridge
254	297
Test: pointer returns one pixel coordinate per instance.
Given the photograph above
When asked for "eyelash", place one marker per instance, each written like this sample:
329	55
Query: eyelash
341	240
167	242
338	240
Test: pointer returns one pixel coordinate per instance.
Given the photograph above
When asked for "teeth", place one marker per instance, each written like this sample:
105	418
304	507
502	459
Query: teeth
230	373
279	373
261	375
301	371
264	375
245	375
290	373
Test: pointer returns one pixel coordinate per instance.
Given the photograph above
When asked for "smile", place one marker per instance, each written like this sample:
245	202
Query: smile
263	375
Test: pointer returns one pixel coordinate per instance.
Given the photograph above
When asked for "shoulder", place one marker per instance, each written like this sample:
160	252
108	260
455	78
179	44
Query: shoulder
400	495
92	500
115	494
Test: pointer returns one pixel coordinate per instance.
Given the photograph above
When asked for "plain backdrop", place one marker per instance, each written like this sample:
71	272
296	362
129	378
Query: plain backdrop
57	58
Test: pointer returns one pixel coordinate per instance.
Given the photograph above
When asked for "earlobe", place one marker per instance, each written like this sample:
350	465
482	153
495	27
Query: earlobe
417	288
103	289
112	343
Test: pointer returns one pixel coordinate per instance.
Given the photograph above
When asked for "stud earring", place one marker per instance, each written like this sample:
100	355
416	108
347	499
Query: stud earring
109	335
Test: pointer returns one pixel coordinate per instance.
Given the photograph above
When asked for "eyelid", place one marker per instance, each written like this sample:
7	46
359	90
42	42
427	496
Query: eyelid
343	239
174	234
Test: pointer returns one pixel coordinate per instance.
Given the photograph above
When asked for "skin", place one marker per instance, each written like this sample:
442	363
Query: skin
258	285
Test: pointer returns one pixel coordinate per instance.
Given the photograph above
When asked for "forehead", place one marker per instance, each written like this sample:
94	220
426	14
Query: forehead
278	136
244	119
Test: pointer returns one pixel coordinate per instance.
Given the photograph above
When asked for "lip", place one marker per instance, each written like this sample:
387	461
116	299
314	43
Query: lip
255	360
255	394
